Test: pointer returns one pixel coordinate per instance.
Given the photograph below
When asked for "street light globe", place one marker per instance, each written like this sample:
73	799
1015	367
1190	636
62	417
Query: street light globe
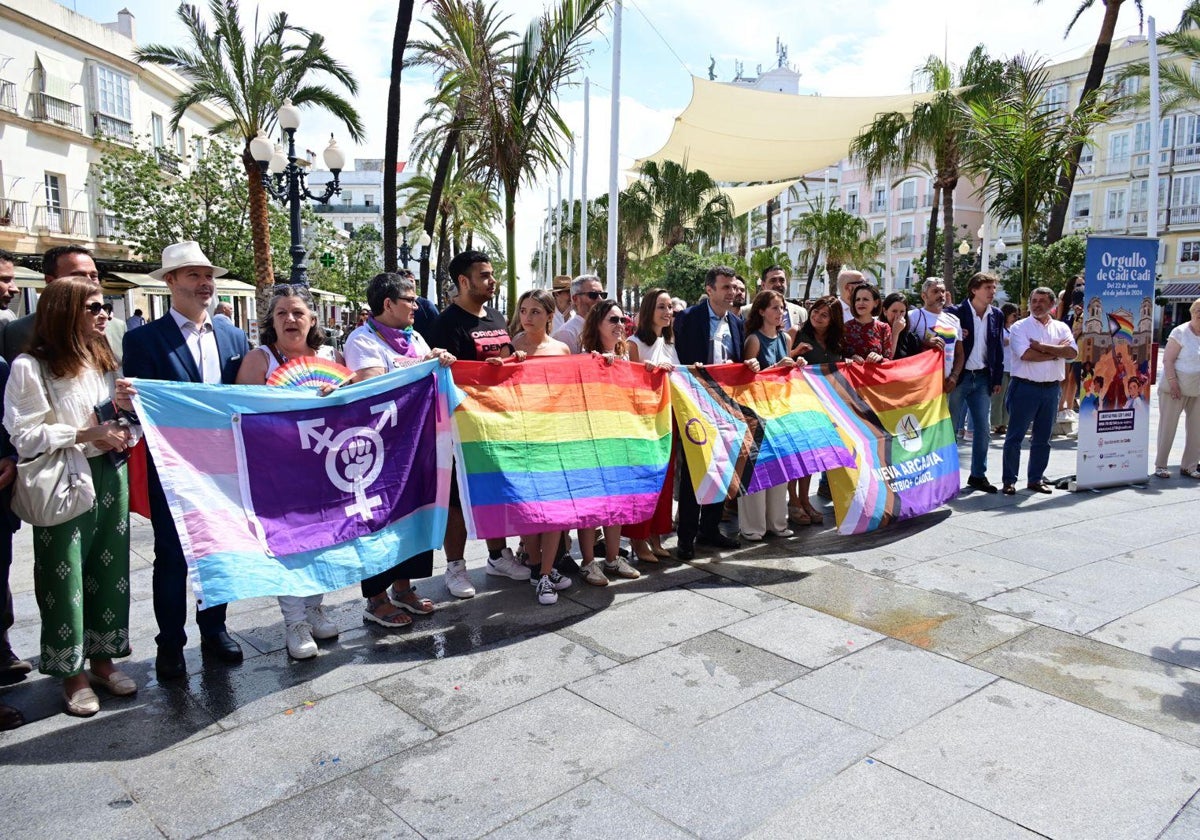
999	247
424	240
289	116
335	158
278	162
261	148
981	234
964	248
403	220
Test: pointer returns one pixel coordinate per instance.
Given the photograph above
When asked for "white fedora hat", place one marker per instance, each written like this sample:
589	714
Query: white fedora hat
183	254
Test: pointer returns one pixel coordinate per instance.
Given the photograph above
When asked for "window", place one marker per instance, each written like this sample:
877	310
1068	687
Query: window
1187	131
879	204
199	141
876	228
1081	205
1186	191
348	227
1118	152
54	208
1056	101
180	143
156	131
908	195
347	199
904	273
1114	206
852	201
1189	250
112	93
905	241
369	199
1088	153
1139	197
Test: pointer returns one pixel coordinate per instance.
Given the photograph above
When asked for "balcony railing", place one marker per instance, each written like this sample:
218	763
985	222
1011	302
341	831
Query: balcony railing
927	200
1188	215
166	160
907	202
58	111
904	243
59	221
879	206
1114	221
348	208
1187	154
1080	222
113	128
8	96
106	226
14	214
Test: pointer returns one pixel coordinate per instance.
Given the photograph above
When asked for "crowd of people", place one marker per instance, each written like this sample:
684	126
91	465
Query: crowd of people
69	389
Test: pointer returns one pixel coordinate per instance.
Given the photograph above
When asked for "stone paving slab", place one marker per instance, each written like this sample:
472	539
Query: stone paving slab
590	811
870	799
805	636
968	575
449	693
480	777
1050	766
726	777
1111	588
33	802
1048	611
655	578
645	625
745	598
887	687
1168	630
1148	692
1177	557
685	685
214	781
1186	825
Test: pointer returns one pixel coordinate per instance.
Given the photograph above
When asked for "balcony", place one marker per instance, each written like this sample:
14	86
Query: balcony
14	214
1187	154
903	243
112	128
1189	215
879	206
60	222
927	200
374	209
1114	221
58	111
906	202
8	97
1138	218
106	226
1080	222
167	161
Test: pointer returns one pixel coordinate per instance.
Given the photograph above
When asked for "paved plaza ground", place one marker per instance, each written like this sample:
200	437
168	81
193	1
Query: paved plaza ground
1009	667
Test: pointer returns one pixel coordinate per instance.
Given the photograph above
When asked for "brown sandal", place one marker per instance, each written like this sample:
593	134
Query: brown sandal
410	601
383	613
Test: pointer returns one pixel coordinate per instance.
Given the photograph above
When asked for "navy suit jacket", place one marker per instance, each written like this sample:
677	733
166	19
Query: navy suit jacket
158	351
993	357
692	340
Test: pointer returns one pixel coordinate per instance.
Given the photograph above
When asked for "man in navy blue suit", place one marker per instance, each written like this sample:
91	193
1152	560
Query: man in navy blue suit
186	345
978	370
708	333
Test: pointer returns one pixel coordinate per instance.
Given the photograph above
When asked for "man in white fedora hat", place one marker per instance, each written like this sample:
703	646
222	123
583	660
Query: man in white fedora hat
185	346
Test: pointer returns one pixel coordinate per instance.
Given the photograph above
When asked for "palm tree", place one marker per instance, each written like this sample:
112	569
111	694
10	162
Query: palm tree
837	234
636	223
467	42
933	137
1178	89
251	79
1091	84
687	203
466	208
391	137
1025	148
520	129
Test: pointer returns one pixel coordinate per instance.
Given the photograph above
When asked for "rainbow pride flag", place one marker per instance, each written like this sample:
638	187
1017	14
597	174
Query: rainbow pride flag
279	492
895	417
1121	326
559	443
742	433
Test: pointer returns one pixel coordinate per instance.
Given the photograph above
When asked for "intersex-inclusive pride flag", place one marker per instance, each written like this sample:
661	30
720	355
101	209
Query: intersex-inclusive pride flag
277	491
894	416
1121	327
742	433
556	443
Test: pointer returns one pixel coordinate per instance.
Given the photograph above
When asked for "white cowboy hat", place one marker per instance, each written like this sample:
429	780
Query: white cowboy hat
183	254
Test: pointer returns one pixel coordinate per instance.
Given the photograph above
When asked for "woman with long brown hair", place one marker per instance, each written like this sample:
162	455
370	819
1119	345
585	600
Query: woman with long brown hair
81	566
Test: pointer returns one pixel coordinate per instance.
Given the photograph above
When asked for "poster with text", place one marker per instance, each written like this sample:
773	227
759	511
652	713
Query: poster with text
1115	358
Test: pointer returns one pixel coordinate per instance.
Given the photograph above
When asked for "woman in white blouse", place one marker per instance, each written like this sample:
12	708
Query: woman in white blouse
80	567
1179	393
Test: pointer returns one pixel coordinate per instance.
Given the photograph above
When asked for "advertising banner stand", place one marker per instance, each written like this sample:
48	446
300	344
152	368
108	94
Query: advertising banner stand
1115	359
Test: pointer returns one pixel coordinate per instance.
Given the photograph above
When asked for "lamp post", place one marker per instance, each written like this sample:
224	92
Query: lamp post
284	179
404	220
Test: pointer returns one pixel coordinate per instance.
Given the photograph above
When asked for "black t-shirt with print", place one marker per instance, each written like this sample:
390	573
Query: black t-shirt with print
468	336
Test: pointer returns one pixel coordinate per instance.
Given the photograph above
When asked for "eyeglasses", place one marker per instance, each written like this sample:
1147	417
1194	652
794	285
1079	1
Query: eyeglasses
615	319
94	308
410	300
593	295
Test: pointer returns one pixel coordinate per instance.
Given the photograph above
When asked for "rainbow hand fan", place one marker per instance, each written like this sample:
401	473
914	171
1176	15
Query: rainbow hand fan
310	372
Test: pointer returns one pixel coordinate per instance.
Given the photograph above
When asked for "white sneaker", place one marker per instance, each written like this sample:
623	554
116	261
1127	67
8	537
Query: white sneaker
457	581
507	565
546	593
300	642
322	627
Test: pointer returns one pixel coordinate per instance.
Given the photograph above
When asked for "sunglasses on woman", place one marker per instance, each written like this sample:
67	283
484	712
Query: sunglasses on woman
94	308
615	319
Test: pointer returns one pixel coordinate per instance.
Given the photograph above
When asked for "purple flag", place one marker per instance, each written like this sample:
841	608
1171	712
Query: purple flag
320	477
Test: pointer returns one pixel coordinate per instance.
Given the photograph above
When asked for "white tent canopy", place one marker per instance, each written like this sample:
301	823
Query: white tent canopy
737	134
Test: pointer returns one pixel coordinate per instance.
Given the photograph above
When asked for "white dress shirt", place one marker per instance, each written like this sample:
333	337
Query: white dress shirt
1031	329
202	342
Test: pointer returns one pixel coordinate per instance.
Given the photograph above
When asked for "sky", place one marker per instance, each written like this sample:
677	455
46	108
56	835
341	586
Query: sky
871	52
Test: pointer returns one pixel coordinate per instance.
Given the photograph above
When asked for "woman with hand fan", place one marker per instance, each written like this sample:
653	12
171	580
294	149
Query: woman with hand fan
387	342
292	351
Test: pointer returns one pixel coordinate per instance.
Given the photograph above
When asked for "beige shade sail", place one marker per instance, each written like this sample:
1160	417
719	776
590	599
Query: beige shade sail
737	134
747	198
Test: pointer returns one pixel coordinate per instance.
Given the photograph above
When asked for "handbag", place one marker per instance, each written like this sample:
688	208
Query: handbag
55	486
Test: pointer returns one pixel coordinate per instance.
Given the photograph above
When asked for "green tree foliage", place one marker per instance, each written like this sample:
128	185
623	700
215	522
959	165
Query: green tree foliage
681	271
1049	265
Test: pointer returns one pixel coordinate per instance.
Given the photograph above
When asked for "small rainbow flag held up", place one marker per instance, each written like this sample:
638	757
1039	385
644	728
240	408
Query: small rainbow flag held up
1121	327
743	433
310	372
894	416
559	443
944	332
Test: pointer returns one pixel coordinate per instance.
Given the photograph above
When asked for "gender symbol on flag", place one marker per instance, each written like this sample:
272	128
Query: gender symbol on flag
353	458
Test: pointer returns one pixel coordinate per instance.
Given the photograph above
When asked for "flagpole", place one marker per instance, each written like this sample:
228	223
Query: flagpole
1155	141
614	134
583	201
570	204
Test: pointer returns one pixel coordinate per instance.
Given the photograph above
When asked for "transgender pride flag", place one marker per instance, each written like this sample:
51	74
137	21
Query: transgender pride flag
276	491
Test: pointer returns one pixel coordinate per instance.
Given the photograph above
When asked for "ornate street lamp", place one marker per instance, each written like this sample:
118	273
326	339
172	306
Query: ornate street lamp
284	179
403	221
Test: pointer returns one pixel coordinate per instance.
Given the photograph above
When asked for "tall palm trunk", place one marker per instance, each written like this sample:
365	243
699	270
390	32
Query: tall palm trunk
770	216
812	271
391	139
510	241
948	234
260	232
930	242
1095	77
435	197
